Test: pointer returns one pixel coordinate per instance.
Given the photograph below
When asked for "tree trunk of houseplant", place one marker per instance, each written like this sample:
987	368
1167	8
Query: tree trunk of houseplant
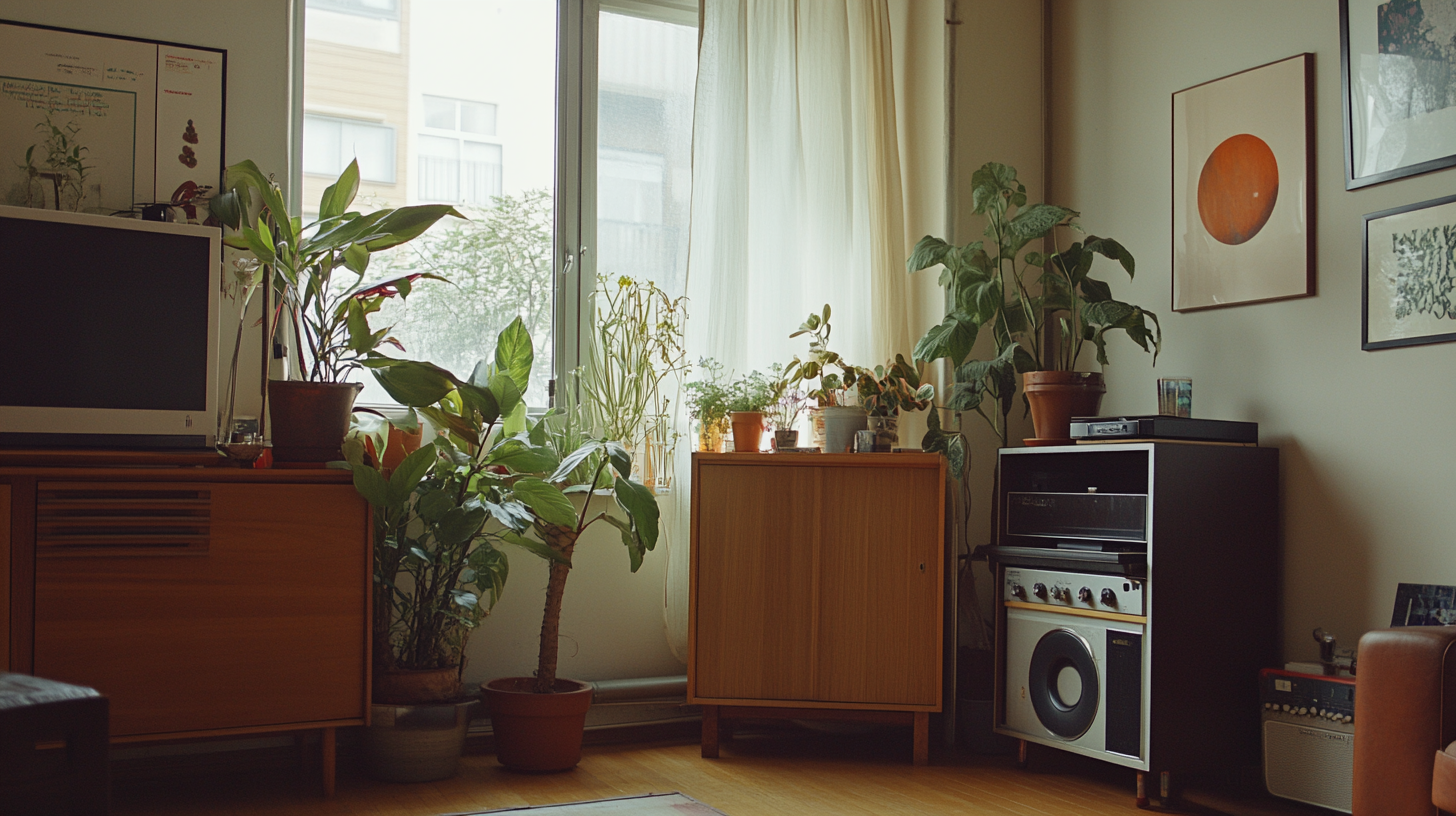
310	419
1056	397
538	722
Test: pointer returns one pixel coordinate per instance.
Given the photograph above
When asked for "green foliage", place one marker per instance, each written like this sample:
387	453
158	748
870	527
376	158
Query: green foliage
488	478
990	288
62	162
753	391
832	386
330	316
890	389
707	399
499	264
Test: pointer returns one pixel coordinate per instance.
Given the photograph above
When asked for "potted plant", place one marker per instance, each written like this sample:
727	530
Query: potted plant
886	391
524	476
784	413
707	402
317	274
836	419
1020	299
636	346
748	397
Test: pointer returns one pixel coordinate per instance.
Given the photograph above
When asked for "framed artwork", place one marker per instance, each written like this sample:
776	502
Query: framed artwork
1398	72
141	120
1243	186
1409	273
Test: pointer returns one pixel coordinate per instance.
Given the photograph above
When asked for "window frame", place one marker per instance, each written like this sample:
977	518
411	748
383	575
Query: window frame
353	120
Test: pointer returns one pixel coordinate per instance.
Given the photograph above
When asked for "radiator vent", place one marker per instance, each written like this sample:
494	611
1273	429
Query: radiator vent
112	519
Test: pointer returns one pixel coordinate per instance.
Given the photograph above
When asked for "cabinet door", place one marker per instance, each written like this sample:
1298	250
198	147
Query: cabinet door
259	621
879	594
755	582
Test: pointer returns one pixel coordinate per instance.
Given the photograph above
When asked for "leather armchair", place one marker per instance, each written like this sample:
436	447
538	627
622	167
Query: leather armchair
1405	717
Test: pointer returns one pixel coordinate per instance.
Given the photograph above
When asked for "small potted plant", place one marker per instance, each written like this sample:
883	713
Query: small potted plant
317	272
707	402
989	286
836	419
524	476
784	413
748	397
888	390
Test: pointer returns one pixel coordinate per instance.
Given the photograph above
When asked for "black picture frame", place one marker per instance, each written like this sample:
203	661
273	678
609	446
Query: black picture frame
1347	87
1375	218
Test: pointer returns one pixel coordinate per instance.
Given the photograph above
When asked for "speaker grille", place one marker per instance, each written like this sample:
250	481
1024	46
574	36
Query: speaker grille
113	519
1309	764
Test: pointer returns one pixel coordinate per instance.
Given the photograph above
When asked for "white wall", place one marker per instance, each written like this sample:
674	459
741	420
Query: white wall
1365	440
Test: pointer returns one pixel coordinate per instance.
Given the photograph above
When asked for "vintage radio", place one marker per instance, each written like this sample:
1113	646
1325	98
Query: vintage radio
1308	724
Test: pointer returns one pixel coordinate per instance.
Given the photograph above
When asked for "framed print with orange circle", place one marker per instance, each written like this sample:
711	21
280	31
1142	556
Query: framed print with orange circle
1243	183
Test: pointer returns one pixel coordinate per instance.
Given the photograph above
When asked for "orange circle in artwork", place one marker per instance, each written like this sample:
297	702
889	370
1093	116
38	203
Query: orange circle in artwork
1237	188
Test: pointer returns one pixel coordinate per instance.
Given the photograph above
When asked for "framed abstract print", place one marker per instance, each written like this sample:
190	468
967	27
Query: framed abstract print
1409	275
1398	71
1243	185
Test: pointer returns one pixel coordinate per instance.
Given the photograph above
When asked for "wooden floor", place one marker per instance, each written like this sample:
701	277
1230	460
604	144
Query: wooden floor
757	775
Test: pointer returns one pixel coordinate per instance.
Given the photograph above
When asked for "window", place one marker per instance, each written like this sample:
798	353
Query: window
330	143
534	241
371	24
454	167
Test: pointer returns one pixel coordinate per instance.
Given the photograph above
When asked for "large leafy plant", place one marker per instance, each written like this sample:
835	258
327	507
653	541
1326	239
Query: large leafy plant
887	390
1042	308
490	477
833	386
317	270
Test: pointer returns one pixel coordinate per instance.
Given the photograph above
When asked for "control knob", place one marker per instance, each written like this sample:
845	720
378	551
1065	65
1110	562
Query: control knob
1018	590
1084	595
1109	598
1039	590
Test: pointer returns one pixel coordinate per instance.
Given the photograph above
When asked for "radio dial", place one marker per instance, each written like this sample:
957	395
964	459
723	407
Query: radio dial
1039	590
1018	590
1109	598
1084	595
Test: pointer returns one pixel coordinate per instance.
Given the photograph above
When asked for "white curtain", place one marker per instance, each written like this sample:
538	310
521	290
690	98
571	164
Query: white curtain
796	203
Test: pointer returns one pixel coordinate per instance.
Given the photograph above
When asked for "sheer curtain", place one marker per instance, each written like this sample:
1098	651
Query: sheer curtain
796	202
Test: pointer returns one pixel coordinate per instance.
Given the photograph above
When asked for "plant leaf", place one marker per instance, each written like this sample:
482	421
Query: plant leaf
414	383
459	524
533	546
514	355
641	506
340	194
371	485
410	472
546	501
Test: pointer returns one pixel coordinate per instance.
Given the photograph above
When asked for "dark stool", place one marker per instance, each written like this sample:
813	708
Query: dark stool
53	744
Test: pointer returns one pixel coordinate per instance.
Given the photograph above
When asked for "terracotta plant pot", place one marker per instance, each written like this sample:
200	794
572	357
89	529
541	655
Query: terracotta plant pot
309	419
414	686
747	431
537	732
1057	396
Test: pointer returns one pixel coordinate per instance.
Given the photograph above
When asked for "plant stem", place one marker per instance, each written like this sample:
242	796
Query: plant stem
563	541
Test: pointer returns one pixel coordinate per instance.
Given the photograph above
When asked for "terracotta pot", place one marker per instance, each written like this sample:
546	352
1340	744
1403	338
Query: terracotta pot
417	743
537	732
401	444
747	431
310	419
1057	396
414	686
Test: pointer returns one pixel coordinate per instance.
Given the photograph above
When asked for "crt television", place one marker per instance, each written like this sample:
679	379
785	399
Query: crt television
109	327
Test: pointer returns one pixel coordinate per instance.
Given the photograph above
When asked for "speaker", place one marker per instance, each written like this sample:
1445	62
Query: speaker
1309	737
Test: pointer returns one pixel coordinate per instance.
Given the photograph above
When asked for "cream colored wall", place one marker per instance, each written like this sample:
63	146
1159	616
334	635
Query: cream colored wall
1364	437
998	117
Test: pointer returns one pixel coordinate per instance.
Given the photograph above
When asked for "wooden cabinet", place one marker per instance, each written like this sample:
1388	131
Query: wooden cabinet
202	602
817	587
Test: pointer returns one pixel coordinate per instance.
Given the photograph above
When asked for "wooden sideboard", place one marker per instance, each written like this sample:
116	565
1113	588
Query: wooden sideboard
204	602
817	588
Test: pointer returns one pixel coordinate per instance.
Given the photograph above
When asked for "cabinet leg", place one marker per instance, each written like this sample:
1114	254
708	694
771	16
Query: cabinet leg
922	738
1022	753
1166	790
710	732
1142	790
327	754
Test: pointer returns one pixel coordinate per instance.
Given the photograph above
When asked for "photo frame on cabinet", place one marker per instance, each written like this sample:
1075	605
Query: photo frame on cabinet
1409	275
1398	74
1243	187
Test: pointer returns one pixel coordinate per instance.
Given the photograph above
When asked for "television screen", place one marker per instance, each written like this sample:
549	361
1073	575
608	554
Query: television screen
94	317
109	326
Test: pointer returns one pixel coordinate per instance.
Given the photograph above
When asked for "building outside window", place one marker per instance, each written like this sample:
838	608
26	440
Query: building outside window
455	164
330	143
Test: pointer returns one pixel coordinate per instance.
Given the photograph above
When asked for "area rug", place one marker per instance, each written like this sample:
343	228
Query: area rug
649	804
